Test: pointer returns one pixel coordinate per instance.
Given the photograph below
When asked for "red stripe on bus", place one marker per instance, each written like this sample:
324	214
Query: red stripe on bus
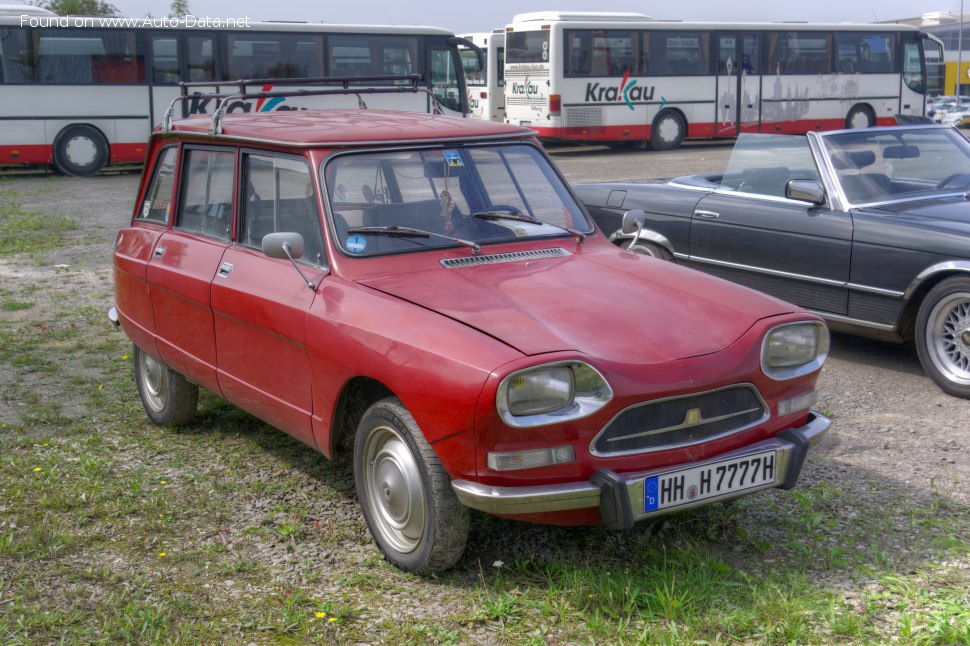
25	154
128	152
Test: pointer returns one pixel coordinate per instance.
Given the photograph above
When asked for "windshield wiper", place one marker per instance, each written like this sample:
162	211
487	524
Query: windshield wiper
522	217
418	233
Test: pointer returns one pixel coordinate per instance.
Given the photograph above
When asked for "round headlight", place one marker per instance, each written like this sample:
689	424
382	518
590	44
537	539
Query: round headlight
795	349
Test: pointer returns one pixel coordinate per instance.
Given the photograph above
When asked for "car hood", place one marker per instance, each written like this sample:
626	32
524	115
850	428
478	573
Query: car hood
944	209
610	304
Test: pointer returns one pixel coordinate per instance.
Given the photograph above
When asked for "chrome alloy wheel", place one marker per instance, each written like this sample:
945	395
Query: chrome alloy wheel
948	337
155	382
395	492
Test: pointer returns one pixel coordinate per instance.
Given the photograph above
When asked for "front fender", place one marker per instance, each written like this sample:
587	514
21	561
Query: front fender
647	235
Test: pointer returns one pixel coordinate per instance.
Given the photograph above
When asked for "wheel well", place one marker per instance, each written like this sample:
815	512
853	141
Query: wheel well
907	320
357	396
862	106
86	125
677	111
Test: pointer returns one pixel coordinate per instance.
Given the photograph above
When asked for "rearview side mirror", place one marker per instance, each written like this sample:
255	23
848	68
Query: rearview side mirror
805	190
633	221
273	245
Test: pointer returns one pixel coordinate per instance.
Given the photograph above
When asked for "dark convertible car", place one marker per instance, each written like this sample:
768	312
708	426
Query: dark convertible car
869	228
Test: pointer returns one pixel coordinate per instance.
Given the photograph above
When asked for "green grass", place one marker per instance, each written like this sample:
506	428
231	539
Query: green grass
28	232
115	531
14	305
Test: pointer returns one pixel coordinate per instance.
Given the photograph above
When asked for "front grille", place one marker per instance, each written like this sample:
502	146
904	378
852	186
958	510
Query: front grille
496	258
680	421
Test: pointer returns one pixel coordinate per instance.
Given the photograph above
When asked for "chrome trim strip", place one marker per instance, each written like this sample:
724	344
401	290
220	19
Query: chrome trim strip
770	272
584	494
614	454
950	265
828	316
688	187
875	290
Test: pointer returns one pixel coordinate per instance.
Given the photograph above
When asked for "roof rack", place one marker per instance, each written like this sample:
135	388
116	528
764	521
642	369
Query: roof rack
215	124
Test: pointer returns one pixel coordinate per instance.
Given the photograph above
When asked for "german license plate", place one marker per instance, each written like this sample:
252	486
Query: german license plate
709	481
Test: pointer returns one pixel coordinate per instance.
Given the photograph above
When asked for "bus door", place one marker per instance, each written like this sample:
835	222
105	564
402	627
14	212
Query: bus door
738	83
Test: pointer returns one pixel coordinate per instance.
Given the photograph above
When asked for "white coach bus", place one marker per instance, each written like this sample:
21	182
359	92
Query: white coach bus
623	77
80	92
486	88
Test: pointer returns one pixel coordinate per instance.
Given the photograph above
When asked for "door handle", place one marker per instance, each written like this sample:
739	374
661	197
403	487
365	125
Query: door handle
159	252
224	270
706	214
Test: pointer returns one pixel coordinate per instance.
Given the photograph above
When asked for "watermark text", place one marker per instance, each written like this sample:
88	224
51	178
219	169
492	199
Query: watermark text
189	21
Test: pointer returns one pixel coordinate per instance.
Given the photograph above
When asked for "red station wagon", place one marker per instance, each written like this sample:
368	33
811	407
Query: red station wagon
430	289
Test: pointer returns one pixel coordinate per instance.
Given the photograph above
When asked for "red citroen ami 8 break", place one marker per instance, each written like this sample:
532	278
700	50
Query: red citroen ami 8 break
430	289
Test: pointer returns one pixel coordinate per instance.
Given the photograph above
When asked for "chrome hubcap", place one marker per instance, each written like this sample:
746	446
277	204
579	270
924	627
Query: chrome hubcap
395	493
948	337
81	151
153	376
668	129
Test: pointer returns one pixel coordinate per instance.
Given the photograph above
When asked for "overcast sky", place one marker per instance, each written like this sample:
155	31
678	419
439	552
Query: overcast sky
485	15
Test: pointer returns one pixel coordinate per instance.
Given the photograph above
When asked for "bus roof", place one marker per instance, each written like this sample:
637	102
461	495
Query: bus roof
577	20
583	16
23	10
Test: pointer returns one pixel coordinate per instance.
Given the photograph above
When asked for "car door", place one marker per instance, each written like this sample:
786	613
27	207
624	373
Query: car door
261	303
786	248
185	260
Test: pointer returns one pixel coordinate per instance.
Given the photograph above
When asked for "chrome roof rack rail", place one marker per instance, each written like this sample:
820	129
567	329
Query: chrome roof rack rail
346	85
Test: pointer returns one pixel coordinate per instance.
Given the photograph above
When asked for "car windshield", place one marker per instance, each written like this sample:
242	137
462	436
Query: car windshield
887	164
409	200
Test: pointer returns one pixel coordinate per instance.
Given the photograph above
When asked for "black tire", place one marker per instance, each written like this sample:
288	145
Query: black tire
80	150
668	131
651	249
169	398
860	116
406	495
943	336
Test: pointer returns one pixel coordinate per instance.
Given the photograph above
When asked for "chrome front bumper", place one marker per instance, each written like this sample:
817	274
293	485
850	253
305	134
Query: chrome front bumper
620	497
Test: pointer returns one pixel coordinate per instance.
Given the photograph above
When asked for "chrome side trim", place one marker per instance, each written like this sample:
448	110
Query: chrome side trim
583	495
951	265
874	290
837	318
770	272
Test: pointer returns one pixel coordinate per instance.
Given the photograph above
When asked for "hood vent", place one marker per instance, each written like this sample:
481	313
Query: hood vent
495	259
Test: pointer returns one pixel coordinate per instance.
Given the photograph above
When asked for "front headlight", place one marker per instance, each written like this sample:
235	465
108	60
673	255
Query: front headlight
552	393
794	349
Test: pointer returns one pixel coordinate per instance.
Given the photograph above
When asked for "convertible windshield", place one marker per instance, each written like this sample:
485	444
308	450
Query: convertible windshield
881	165
763	164
409	200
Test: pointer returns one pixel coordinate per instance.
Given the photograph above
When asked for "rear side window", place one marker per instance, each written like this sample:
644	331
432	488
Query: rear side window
277	196
207	190
158	199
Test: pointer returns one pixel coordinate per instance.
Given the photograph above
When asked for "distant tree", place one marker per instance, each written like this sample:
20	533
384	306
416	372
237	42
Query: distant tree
78	7
179	8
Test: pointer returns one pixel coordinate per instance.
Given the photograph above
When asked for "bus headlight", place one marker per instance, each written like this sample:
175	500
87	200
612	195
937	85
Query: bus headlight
551	393
794	349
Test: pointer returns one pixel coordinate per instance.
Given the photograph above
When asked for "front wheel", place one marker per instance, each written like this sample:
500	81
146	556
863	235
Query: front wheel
860	116
668	131
80	150
943	336
169	398
406	495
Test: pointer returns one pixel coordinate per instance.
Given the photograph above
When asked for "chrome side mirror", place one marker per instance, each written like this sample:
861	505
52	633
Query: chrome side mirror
633	223
286	245
805	190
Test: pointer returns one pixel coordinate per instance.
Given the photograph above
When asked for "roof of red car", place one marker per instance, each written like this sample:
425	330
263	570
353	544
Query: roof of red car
348	126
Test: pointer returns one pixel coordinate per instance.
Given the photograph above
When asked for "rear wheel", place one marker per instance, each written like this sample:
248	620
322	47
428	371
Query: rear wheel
406	495
169	398
80	150
943	336
860	116
668	131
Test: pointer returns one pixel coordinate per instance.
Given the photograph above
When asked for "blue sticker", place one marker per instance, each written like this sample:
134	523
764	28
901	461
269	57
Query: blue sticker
356	244
650	498
453	158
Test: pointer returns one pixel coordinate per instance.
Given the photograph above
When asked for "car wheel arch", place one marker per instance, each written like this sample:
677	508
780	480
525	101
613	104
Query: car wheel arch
621	239
920	287
356	396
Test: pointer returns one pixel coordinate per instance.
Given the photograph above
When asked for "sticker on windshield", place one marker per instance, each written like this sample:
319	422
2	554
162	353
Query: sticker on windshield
356	244
452	158
146	208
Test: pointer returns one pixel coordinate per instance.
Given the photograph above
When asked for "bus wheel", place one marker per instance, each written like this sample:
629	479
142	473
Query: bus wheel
860	116
668	131
80	150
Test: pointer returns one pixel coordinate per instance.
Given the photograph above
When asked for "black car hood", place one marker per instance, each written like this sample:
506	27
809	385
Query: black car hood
946	209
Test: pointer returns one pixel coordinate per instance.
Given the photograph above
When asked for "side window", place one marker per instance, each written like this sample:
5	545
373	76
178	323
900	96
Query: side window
165	60
206	200
444	79
277	195
158	199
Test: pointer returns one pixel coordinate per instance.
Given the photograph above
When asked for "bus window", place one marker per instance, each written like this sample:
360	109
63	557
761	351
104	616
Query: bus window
202	63
274	56
794	52
474	76
88	56
864	53
15	65
751	53
165	61
913	67
678	53
527	46
444	79
600	52
367	55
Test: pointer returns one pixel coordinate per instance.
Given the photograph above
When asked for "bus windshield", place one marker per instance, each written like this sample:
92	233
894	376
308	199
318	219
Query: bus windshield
527	47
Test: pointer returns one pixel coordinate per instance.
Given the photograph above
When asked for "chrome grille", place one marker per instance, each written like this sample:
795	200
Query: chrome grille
494	259
680	421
